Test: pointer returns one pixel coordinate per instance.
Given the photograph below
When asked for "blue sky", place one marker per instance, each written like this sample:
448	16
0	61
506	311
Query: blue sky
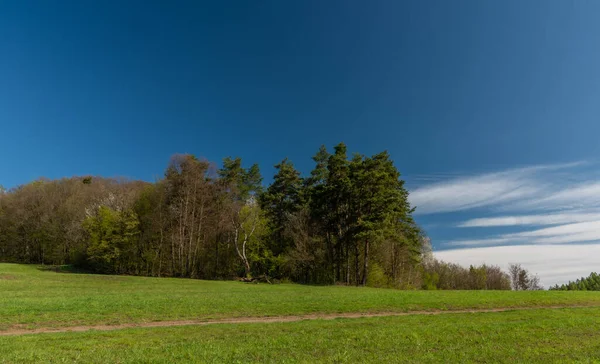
489	108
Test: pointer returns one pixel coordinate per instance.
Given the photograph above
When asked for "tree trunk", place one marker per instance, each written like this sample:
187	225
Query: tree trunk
338	262
247	267
347	265
366	263
356	265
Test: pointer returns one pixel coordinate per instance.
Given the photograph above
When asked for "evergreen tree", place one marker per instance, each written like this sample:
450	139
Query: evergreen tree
590	283
349	221
280	201
335	199
241	183
382	204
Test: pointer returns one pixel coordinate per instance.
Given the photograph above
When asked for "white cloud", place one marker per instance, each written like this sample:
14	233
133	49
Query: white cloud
567	233
567	229
571	238
479	242
536	187
467	193
553	263
558	204
582	195
546	219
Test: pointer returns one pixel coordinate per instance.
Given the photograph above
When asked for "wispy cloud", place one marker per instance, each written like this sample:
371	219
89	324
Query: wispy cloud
467	193
577	221
500	188
581	195
553	263
519	220
480	242
562	234
568	233
538	216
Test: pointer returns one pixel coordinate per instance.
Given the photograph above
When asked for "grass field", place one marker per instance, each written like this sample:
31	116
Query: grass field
34	299
560	335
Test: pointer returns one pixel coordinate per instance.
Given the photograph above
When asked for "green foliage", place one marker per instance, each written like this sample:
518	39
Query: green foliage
319	174
111	233
442	275
478	277
250	240
430	280
590	283
242	183
280	201
347	222
358	205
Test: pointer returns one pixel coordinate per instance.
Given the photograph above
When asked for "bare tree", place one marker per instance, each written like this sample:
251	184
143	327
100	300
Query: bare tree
522	279
513	271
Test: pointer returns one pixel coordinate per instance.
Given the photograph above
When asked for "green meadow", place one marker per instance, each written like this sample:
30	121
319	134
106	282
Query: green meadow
544	335
554	327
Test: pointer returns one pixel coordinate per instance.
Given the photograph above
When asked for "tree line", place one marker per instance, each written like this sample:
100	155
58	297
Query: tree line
449	276
348	222
590	283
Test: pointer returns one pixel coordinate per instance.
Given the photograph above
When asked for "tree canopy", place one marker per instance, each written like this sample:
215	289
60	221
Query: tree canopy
348	221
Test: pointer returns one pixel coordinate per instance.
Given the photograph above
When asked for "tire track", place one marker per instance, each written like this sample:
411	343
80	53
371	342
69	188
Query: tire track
272	319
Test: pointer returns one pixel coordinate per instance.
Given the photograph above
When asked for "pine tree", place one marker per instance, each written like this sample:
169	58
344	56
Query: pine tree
382	204
590	283
280	201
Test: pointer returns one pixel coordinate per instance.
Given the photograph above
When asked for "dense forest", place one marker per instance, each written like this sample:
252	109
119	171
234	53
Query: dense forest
590	283
349	222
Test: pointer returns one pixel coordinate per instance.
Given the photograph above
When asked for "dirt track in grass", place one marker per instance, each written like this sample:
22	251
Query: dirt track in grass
269	319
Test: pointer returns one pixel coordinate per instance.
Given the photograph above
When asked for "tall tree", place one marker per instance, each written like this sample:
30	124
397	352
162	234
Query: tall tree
241	183
243	214
349	221
318	175
189	193
382	203
249	229
522	280
280	201
336	198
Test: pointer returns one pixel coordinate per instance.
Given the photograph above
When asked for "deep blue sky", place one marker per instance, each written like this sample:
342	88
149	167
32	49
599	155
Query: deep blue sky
449	88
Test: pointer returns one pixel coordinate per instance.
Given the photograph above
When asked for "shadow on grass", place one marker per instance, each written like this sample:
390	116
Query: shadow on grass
66	268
